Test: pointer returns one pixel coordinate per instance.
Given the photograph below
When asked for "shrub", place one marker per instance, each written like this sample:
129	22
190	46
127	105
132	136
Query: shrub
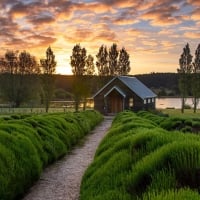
29	143
139	160
182	158
182	194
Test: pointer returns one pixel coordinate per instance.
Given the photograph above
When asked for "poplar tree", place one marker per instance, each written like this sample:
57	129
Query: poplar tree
196	78
81	65
113	60
124	62
48	66
102	61
78	59
185	63
89	66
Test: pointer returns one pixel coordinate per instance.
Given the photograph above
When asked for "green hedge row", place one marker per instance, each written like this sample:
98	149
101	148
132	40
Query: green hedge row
184	124
29	143
139	160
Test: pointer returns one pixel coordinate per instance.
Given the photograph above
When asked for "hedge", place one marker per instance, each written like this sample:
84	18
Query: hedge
28	143
139	160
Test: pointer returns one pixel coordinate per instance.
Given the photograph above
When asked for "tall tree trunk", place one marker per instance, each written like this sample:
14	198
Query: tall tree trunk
84	103
195	104
76	105
182	104
46	106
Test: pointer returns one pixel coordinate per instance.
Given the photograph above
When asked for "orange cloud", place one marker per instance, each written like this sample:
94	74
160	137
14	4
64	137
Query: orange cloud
152	43
194	2
162	16
192	35
168	45
196	15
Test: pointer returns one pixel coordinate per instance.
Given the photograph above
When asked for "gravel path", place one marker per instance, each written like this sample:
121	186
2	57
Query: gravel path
61	181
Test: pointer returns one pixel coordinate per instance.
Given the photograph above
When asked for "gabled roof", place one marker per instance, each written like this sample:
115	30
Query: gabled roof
115	88
133	84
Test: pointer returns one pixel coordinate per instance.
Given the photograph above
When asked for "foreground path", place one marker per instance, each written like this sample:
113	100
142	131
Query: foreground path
61	181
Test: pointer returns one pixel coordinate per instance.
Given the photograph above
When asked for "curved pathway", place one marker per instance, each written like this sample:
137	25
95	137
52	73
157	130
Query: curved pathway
62	180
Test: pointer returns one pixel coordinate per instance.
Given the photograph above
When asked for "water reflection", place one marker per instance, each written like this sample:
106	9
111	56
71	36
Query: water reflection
162	103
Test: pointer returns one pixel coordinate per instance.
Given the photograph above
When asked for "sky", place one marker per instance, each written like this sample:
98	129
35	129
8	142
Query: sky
154	32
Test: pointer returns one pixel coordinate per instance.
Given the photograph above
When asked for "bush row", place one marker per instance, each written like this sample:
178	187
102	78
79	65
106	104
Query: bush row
29	143
183	124
139	160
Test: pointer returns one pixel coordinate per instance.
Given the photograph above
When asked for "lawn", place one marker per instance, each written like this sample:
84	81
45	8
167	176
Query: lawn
177	112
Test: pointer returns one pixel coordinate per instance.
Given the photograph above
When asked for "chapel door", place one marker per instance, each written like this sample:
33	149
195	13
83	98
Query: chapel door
115	102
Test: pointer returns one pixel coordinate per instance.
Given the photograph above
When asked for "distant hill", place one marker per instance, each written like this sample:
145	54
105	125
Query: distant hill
163	84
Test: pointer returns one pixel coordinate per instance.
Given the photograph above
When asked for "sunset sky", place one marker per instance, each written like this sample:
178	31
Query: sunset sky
153	32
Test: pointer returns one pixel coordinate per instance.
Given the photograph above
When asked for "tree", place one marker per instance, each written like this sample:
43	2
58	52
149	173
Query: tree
89	66
78	59
9	81
185	63
79	63
48	66
124	62
102	61
11	61
28	64
27	79
18	77
113	63
196	78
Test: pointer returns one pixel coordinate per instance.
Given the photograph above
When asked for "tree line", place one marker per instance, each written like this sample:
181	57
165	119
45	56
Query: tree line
110	62
23	79
189	76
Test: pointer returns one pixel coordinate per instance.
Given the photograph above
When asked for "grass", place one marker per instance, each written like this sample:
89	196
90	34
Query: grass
177	113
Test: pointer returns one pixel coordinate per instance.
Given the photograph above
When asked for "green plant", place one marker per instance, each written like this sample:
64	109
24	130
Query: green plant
29	143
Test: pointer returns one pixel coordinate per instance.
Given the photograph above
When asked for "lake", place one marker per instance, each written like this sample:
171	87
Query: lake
162	103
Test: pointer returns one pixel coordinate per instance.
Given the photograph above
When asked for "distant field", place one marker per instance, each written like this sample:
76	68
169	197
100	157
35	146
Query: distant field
4	111
177	112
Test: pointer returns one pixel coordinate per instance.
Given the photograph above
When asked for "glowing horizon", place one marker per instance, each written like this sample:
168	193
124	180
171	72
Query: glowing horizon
153	32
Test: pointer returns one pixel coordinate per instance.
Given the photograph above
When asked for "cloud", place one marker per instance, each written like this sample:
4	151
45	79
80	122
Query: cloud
106	37
166	32
194	2
79	35
192	35
162	16
168	44
40	19
125	17
40	40
196	15
96	33
125	22
121	3
152	43
97	8
19	9
7	29
134	32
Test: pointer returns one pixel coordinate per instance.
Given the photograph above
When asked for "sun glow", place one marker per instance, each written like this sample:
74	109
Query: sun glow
63	64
